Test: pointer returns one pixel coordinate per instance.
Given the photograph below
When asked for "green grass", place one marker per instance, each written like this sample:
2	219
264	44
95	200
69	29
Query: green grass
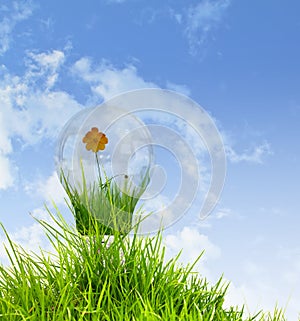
104	203
128	279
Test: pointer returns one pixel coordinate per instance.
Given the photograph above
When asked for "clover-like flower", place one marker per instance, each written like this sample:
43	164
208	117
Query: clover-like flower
95	140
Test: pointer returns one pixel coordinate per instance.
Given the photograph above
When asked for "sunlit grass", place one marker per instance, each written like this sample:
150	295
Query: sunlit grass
92	278
105	203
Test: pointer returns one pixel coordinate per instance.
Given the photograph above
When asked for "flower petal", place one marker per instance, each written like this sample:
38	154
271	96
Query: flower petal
104	139
101	146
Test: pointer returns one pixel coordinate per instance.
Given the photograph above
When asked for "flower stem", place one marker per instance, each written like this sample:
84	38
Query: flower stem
98	165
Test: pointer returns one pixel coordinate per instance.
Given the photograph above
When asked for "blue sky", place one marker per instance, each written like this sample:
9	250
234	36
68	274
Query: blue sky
238	59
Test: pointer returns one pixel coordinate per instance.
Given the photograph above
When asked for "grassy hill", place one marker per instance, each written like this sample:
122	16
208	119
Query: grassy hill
93	278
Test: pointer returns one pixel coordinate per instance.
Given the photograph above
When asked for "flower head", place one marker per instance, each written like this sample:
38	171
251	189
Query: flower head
95	140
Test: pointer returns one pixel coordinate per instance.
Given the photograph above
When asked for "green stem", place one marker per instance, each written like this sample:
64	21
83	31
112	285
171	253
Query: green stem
98	165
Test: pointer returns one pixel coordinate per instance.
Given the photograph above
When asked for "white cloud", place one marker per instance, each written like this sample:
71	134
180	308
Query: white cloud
257	290
6	168
223	212
257	295
50	60
49	189
39	119
52	189
6	173
201	19
255	155
30	107
264	286
30	238
192	243
183	89
44	66
107	81
11	16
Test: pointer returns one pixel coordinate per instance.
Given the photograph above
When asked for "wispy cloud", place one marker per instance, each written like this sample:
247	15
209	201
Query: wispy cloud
45	65
115	1
10	15
200	20
223	212
185	90
255	155
106	80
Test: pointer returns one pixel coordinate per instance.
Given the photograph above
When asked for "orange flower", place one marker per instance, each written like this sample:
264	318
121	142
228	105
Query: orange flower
95	140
